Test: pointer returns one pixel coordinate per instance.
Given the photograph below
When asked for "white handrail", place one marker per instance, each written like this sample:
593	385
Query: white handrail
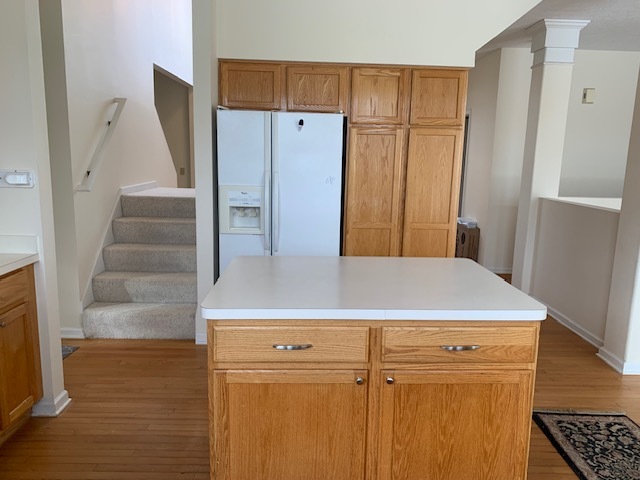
89	177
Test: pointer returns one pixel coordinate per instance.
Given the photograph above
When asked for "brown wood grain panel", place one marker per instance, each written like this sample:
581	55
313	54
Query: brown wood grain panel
256	86
256	344
438	97
296	424
497	344
379	95
433	186
317	88
429	433
374	191
14	289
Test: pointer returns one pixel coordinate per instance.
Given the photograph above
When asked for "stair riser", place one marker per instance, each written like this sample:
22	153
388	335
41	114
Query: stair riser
149	261
106	290
168	207
154	233
139	324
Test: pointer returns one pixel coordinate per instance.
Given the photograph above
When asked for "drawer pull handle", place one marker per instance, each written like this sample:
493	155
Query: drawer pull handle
459	348
292	347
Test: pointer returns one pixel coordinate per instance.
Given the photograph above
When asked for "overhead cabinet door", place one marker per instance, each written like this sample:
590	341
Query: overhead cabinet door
431	201
379	95
255	86
438	97
317	89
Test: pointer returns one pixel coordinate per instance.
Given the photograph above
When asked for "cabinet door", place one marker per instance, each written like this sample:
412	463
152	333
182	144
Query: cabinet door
288	424
374	192
255	86
438	97
451	425
379	95
433	186
317	89
17	391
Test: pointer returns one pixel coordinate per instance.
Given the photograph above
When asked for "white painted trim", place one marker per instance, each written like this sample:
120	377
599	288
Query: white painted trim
107	238
631	369
44	408
201	338
575	328
71	333
610	359
501	271
138	188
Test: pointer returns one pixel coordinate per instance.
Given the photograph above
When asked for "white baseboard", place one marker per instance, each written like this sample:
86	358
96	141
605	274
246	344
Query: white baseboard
71	333
201	338
575	328
612	360
138	188
45	408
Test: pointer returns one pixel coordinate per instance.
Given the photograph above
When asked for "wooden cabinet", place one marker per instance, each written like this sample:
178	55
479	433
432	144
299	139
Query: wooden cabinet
317	88
20	377
438	97
455	424
373	202
432	189
448	400
379	95
249	85
277	424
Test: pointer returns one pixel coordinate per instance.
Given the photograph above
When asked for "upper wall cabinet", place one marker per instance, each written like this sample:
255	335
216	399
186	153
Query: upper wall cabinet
256	86
317	88
379	95
438	97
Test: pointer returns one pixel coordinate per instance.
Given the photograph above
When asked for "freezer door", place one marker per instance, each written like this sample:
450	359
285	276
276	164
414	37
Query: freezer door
307	183
244	159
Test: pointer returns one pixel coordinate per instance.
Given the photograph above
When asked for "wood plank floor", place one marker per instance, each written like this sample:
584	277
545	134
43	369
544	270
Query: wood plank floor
139	411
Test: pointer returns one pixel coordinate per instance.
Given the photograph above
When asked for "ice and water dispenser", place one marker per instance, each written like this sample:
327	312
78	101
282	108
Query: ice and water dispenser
241	209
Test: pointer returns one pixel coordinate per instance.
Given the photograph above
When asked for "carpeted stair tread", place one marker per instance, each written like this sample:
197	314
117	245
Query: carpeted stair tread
154	230
135	257
145	287
139	320
148	206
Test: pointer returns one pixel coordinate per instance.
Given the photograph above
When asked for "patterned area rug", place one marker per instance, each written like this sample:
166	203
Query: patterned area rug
596	446
68	350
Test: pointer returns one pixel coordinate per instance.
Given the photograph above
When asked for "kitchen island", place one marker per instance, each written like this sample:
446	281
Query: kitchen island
376	368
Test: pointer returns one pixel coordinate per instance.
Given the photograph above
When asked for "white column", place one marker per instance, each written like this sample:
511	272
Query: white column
621	347
553	45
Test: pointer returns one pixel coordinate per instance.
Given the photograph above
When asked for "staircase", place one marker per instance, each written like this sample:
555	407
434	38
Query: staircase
149	287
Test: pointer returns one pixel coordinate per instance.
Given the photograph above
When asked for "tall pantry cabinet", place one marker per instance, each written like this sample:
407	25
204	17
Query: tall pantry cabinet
404	149
405	202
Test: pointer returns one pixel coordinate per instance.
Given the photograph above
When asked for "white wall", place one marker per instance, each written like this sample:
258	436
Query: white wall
497	102
110	49
595	146
597	138
420	32
573	264
23	145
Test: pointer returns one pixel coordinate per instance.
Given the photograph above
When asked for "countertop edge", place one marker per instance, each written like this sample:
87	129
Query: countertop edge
390	315
10	262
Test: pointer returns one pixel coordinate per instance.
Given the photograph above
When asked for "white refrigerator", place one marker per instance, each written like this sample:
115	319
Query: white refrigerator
279	183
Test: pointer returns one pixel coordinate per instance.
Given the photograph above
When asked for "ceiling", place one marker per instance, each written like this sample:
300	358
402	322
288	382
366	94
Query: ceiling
615	24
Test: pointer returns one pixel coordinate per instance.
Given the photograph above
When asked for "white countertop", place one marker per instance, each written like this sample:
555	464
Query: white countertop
13	261
365	288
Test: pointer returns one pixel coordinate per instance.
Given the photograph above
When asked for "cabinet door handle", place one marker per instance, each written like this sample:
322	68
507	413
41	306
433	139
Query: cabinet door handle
304	346
359	380
2	325
459	348
390	380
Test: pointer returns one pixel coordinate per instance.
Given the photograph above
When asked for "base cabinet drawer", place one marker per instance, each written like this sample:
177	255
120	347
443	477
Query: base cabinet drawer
459	344
291	344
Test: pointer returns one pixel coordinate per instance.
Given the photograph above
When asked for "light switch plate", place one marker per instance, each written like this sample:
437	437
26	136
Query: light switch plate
16	179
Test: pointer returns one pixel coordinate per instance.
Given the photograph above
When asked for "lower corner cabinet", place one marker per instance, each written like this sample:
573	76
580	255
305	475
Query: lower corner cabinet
20	377
405	409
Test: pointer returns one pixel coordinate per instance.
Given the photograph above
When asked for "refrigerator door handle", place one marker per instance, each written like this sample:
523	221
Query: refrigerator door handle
275	207
267	212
